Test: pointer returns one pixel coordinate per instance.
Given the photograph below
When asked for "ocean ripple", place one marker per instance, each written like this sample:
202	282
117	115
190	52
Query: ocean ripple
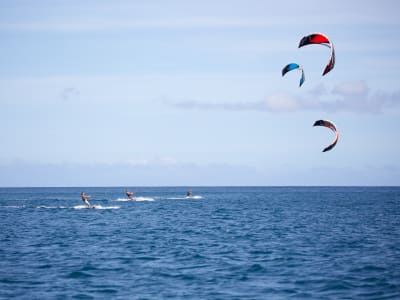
233	243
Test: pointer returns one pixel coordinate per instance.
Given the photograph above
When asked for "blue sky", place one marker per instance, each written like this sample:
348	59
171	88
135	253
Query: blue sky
190	93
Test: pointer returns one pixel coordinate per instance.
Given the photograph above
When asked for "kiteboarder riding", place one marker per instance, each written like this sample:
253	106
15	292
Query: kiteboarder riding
85	199
129	195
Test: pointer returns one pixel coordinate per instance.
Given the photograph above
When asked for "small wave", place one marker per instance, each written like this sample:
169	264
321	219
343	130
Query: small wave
79	274
44	206
13	206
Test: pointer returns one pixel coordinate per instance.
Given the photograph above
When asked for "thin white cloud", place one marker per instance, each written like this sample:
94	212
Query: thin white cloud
161	173
69	22
205	22
237	106
160	161
24	173
357	88
281	103
89	25
354	97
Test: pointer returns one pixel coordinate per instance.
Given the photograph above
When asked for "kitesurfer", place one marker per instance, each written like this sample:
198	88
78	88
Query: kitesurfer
85	199
129	195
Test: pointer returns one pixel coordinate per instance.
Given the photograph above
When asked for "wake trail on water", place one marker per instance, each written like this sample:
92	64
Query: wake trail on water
135	199
96	207
184	198
59	207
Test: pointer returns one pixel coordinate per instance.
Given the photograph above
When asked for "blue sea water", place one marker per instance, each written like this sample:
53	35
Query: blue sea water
228	243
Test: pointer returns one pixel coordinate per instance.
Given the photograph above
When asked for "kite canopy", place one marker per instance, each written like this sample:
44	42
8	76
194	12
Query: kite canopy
293	66
331	126
321	39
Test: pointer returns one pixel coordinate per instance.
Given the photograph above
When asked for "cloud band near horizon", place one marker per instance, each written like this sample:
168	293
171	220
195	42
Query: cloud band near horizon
355	97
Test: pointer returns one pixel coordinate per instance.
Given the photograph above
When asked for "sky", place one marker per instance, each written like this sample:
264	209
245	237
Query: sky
190	93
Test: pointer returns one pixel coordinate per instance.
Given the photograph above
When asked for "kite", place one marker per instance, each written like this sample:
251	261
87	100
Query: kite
331	126
291	67
321	39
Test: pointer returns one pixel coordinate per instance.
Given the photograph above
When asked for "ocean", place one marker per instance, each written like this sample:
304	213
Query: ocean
225	243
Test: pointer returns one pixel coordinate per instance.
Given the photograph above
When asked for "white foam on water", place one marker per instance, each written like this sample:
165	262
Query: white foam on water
80	206
186	197
96	207
105	207
135	199
61	207
122	200
144	199
194	197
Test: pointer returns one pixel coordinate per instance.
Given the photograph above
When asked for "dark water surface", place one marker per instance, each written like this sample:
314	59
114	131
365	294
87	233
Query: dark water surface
233	243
